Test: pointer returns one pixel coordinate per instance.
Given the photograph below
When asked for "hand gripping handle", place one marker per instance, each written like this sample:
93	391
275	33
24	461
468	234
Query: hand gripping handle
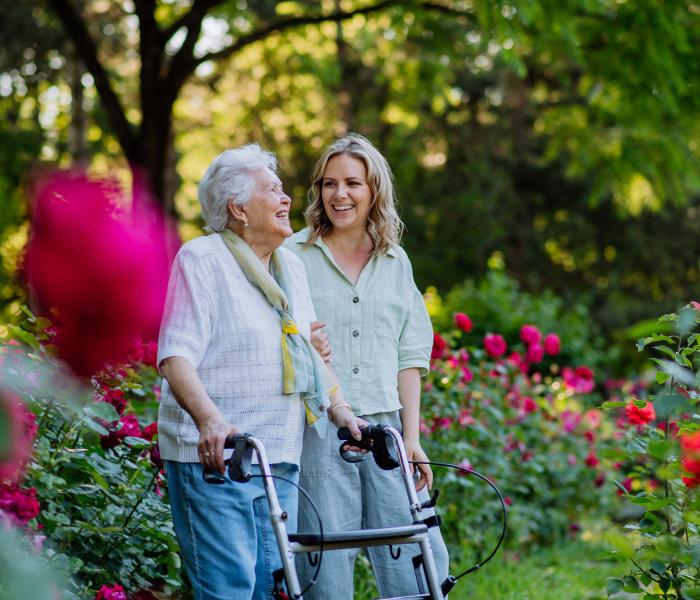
239	465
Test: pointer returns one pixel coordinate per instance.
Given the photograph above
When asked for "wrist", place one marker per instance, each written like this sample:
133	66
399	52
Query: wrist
338	410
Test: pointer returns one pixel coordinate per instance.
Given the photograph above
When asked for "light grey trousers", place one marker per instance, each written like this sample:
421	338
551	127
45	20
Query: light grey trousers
358	496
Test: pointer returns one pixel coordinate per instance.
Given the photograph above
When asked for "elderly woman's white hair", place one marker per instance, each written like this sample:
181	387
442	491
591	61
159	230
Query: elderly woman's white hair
229	177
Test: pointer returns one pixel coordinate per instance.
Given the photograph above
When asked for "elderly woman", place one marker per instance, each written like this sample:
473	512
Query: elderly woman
381	336
236	302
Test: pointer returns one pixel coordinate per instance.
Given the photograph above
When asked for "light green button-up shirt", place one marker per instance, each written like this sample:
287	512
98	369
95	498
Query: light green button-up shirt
376	327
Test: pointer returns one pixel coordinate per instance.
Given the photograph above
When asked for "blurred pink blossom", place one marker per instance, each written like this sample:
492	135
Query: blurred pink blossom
552	344
463	322
495	345
102	273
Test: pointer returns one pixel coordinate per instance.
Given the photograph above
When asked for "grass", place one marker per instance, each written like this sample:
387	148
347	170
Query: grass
566	571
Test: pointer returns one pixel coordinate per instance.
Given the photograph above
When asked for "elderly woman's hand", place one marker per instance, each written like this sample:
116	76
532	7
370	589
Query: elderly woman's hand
212	436
319	340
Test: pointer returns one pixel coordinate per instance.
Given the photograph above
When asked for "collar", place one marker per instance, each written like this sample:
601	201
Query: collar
302	236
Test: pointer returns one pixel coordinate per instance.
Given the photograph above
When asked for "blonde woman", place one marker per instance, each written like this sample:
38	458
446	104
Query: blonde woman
373	318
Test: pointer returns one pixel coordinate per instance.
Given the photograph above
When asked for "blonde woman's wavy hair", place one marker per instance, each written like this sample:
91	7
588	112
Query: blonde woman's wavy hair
384	224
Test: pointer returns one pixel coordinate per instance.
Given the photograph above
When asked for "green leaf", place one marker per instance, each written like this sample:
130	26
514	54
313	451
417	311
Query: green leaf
657	566
612	404
614	586
631	584
666	350
136	442
102	410
669	403
662	377
659	449
23	335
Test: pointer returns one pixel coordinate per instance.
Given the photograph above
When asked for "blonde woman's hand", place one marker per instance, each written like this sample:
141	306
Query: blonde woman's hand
212	436
414	452
319	340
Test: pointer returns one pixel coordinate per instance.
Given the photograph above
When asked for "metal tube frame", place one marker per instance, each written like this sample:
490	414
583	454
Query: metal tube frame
289	549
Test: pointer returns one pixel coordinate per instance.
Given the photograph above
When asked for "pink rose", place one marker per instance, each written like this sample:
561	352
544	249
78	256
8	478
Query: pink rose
495	345
529	334
463	322
467	375
534	353
552	344
695	305
579	379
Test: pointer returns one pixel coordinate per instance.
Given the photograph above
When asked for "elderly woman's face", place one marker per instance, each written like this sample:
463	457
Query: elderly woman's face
268	207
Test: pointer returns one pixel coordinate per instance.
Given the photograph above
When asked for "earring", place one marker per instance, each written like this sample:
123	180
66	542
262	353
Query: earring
245	223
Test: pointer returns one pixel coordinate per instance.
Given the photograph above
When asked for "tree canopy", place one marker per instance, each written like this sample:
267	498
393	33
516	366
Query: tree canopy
556	140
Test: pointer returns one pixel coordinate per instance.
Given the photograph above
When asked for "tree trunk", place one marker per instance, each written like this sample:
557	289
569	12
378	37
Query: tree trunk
77	144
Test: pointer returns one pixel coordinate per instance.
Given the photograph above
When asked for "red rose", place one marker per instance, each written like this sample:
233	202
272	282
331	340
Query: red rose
463	322
529	405
592	460
125	427
690	457
111	592
150	431
552	344
20	430
640	416
529	334
104	272
495	345
599	480
627	484
534	353
20	505
439	346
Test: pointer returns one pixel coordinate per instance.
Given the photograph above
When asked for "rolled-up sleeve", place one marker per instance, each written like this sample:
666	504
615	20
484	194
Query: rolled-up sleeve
186	327
416	340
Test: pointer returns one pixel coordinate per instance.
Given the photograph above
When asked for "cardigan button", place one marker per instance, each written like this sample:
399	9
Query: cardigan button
355	333
355	299
355	370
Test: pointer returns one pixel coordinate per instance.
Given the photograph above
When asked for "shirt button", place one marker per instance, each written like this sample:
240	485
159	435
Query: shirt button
355	370
355	333
355	299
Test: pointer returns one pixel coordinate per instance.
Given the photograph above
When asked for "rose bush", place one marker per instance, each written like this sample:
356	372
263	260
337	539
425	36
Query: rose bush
93	491
660	462
534	428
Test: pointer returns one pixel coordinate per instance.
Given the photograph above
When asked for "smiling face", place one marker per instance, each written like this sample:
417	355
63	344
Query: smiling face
347	197
267	211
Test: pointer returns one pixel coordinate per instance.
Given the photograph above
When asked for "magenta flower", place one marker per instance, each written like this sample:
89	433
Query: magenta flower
463	322
439	346
534	353
495	345
111	592
552	344
529	334
103	274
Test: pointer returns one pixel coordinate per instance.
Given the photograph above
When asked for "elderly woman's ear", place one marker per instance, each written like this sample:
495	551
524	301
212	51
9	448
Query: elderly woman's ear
238	212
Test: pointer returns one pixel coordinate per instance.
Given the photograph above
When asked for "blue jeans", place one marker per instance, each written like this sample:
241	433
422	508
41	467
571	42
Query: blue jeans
226	538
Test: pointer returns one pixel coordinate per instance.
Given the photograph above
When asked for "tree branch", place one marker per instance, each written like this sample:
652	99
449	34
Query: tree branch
194	16
77	31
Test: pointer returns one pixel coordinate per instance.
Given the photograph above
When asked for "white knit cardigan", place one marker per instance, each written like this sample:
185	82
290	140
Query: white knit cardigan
229	332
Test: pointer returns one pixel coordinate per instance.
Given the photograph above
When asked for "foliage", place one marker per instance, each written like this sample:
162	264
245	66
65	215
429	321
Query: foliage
663	455
497	303
527	423
95	472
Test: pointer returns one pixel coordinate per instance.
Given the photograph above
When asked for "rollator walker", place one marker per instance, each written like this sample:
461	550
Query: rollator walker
386	445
